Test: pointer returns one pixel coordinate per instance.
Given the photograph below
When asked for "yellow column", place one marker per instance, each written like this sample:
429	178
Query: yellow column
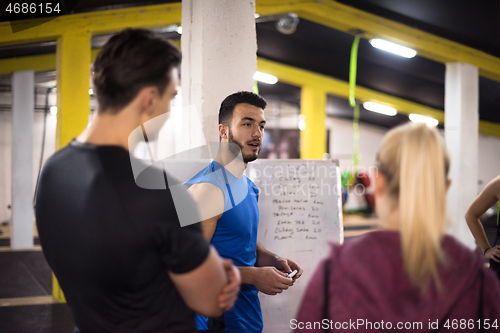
73	101
313	111
73	77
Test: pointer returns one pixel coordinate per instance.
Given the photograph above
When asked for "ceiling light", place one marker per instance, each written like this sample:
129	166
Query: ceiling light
179	30
257	15
265	78
53	110
302	122
302	125
91	91
393	48
169	28
424	119
379	108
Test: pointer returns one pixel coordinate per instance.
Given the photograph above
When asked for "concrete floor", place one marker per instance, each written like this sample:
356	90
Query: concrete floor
26	302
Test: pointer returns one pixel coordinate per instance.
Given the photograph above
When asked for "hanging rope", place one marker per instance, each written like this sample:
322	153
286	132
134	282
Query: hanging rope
256	88
352	100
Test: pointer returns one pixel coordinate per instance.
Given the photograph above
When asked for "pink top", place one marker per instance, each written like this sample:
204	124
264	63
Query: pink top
367	284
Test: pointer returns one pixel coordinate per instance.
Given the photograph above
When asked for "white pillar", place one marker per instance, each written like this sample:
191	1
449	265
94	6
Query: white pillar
22	159
461	133
219	58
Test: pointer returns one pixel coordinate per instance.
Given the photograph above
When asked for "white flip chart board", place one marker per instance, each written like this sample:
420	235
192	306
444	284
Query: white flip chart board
300	212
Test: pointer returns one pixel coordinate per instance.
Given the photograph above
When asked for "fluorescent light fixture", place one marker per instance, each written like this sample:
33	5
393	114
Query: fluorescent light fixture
179	30
302	122
393	48
424	119
379	108
302	125
53	110
169	28
91	91
265	78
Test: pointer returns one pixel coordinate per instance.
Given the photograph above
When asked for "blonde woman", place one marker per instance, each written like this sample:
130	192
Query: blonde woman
410	276
487	198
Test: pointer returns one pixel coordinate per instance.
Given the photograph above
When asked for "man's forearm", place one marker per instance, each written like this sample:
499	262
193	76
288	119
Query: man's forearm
247	274
265	257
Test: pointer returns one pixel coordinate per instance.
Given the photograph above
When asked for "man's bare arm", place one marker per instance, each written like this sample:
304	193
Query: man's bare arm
487	198
270	274
268	280
210	201
267	258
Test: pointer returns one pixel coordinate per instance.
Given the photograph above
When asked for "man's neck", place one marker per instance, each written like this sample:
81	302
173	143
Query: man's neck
109	130
234	165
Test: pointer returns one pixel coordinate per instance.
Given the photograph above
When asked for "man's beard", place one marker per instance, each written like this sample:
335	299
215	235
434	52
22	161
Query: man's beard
234	150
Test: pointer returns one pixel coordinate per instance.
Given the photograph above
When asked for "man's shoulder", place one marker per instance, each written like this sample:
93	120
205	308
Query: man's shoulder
60	161
60	155
206	185
251	185
207	175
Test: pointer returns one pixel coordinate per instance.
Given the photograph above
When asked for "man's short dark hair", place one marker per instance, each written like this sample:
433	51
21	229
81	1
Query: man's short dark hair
129	61
229	103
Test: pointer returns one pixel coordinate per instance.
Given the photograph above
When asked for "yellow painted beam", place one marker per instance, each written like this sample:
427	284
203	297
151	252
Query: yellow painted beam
73	77
489	128
57	292
344	18
313	110
73	57
39	63
276	7
93	54
100	22
301	77
176	42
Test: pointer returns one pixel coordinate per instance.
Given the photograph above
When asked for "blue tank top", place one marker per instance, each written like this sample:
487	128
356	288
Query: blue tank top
235	238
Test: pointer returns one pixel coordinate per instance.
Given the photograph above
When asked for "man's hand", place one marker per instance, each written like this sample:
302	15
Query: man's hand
229	293
493	253
288	266
271	281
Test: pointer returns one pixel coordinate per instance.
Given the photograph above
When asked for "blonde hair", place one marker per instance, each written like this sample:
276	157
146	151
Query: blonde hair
415	163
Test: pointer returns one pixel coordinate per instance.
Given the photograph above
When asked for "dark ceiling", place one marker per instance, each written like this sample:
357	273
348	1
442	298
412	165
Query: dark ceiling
326	51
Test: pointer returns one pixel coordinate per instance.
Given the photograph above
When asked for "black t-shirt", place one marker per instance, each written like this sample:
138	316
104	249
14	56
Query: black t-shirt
110	242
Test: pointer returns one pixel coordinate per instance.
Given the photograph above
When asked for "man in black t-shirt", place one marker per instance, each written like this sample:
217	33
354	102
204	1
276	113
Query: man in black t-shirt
118	251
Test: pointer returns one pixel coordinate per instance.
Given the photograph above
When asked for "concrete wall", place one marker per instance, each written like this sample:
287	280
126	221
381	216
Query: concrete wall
6	150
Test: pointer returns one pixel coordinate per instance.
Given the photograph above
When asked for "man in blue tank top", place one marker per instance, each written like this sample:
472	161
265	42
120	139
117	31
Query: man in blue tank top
227	202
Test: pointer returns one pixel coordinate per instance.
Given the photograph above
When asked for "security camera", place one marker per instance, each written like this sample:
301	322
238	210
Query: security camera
287	24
